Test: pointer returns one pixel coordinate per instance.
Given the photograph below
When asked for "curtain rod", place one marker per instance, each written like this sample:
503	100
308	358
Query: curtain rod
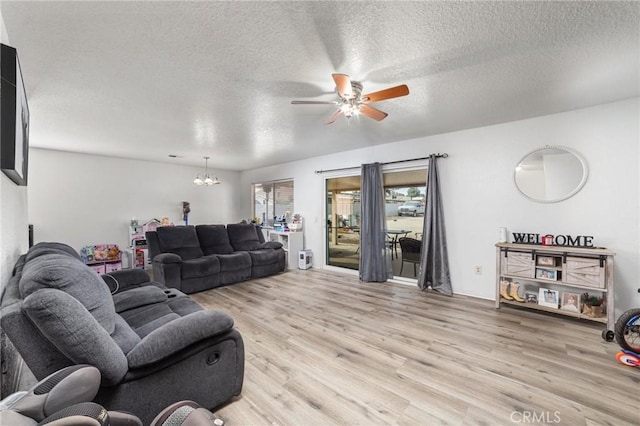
438	155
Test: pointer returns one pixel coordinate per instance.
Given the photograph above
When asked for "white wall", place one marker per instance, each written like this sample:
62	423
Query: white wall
87	199
480	196
14	228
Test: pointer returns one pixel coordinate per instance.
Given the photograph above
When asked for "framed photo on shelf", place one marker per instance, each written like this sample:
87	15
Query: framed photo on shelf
531	297
570	302
548	298
546	274
546	261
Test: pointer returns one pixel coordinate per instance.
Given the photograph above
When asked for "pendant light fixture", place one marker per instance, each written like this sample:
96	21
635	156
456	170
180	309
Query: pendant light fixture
206	179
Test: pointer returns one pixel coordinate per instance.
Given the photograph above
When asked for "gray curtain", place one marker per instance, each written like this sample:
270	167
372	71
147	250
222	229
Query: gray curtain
434	262
375	262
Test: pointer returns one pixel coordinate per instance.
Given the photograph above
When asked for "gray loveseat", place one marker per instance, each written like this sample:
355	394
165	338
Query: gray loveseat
153	345
193	259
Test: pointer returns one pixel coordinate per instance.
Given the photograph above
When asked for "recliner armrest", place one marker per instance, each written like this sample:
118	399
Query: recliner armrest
125	278
270	245
177	335
167	258
137	297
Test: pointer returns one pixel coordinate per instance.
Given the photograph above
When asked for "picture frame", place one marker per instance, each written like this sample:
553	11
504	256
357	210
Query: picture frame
548	297
546	274
14	114
531	297
570	302
546	261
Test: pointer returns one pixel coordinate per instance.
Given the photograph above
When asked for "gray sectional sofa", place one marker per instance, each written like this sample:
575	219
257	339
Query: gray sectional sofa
153	345
193	259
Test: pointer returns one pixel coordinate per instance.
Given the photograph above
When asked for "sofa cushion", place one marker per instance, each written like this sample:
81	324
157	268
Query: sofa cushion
214	239
124	336
200	267
157	323
180	240
75	332
70	275
260	233
183	305
145	319
234	261
243	236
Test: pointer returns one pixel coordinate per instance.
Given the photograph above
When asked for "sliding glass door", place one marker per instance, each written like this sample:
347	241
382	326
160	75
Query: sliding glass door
405	191
343	222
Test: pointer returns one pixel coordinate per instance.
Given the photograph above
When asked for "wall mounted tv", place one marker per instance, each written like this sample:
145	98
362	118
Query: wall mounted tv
14	118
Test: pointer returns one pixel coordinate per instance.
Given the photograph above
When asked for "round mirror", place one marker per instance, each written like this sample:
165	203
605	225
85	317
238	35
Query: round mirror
550	174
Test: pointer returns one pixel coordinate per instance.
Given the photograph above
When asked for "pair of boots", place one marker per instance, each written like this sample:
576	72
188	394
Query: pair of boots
509	291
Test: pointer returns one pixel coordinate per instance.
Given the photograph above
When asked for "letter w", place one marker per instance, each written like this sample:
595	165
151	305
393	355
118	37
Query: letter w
520	237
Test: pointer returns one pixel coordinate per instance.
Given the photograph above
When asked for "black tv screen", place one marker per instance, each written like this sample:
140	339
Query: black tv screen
14	118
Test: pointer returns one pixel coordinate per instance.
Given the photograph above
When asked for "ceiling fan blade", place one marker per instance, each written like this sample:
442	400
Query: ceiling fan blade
343	84
315	102
392	92
372	112
334	116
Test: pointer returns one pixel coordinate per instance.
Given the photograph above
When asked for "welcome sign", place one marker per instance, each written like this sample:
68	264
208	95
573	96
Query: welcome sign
550	240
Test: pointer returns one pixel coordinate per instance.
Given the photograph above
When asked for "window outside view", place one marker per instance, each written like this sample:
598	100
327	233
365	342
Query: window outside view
272	200
405	195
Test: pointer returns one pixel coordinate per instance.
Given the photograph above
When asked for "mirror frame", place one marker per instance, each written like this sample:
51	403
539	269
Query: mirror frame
583	181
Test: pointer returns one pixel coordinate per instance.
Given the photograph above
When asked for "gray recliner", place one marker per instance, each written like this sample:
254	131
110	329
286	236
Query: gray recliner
178	260
153	346
267	258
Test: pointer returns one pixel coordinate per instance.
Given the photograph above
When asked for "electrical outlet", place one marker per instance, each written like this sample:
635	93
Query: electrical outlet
478	269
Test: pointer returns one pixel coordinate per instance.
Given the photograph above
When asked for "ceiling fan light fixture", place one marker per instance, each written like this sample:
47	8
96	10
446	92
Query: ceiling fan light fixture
352	102
350	109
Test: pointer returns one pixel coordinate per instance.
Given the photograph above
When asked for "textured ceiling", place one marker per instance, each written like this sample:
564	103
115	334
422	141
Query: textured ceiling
146	79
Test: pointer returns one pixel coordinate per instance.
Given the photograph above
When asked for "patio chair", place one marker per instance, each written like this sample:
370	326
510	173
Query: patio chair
393	239
410	248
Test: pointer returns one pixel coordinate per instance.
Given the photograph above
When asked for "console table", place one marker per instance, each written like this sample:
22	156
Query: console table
561	269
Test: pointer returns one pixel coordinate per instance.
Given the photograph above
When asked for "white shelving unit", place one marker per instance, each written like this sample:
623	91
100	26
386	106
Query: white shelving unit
558	268
135	233
137	251
292	243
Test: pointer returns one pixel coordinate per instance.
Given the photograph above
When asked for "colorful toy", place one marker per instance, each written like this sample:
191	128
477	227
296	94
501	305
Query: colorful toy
627	335
99	253
113	253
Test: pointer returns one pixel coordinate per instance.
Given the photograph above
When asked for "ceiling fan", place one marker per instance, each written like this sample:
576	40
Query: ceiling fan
353	102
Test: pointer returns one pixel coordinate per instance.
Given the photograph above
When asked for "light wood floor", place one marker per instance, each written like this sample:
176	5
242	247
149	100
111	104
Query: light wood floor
323	348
